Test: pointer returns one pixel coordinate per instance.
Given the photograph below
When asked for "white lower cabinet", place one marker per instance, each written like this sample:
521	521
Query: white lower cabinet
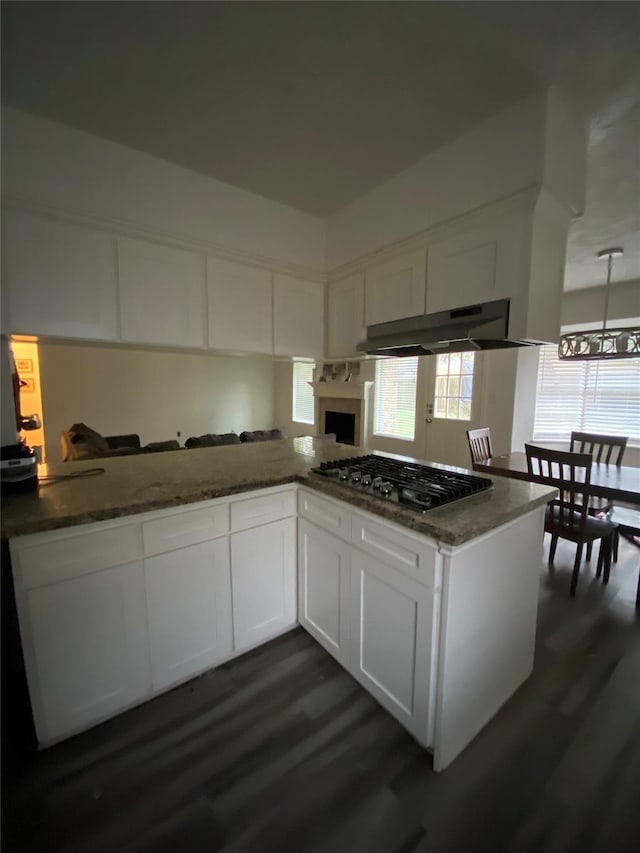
373	603
86	651
189	610
263	578
391	621
324	589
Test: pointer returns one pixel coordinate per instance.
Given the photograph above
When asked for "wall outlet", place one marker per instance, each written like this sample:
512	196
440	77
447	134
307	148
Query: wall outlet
178	434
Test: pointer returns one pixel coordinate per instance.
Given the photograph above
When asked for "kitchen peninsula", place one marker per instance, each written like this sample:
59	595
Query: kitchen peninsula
163	566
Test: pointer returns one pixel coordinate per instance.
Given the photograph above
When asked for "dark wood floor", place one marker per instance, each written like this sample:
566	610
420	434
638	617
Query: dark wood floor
282	751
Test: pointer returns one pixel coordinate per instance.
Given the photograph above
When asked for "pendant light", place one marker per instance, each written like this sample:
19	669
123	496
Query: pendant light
602	343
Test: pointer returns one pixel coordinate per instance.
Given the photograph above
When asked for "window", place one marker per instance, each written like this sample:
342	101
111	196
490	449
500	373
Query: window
588	396
303	392
454	386
394	413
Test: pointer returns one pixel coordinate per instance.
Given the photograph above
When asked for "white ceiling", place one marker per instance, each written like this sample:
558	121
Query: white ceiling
314	103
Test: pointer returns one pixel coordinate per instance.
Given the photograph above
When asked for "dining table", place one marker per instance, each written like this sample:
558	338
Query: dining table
619	483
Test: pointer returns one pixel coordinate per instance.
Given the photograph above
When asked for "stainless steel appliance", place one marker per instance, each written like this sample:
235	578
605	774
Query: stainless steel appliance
18	468
474	327
420	487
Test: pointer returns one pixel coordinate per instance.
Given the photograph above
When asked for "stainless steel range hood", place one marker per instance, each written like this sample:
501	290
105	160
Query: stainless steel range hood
475	327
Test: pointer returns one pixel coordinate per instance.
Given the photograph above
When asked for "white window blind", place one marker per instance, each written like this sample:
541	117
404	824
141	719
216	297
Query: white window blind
302	392
395	398
588	396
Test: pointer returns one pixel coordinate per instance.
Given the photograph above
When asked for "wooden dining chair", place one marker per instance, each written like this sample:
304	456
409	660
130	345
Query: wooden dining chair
567	516
604	450
627	521
479	444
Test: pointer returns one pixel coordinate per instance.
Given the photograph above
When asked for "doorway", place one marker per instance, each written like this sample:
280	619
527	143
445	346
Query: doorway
27	363
452	384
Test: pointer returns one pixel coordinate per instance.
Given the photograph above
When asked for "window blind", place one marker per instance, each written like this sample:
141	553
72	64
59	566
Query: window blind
395	398
303	392
589	396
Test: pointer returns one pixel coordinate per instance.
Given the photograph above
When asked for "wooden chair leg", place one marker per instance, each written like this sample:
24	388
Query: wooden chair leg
576	569
601	559
607	558
552	548
589	550
638	593
615	542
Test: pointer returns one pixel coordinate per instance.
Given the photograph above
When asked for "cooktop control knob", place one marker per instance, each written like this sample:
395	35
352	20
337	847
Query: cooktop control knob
343	473
377	482
356	476
386	488
366	479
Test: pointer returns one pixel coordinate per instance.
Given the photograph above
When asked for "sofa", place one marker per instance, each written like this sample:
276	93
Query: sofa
81	442
216	440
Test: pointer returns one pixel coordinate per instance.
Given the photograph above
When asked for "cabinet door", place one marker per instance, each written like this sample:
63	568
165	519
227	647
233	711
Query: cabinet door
396	289
87	653
298	317
345	316
58	279
240	307
323	589
479	265
161	294
263	578
189	610
392	619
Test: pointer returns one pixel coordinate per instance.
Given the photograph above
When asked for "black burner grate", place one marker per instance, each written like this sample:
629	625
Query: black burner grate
420	487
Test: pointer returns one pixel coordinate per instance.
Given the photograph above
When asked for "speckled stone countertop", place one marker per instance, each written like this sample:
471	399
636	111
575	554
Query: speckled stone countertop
136	484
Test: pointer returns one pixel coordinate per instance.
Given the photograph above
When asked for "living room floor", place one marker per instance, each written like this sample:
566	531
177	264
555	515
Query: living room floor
281	750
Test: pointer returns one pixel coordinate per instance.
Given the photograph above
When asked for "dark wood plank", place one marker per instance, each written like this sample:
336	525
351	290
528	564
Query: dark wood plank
616	482
281	750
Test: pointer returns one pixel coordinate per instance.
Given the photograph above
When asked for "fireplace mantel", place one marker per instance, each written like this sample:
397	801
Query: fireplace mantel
342	390
350	398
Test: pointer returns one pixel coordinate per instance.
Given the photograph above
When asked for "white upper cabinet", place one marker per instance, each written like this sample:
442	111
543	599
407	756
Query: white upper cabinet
58	279
240	307
345	316
161	294
478	265
396	289
298	317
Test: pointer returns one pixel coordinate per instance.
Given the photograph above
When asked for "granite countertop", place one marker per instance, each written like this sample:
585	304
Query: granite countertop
136	484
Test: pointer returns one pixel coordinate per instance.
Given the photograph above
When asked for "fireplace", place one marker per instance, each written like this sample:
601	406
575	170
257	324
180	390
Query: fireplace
343	408
343	424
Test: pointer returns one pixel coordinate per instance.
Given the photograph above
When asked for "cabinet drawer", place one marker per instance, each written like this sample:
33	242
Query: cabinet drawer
325	513
185	528
261	510
54	559
415	558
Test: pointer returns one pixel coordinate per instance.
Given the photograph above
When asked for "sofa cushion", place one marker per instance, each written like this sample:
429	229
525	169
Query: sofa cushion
161	446
82	442
212	440
260	435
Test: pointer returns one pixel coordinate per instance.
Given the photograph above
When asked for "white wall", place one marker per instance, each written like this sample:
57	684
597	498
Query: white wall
46	163
534	142
587	305
156	394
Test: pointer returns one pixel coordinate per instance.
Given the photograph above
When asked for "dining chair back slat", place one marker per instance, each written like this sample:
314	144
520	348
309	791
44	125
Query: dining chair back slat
479	444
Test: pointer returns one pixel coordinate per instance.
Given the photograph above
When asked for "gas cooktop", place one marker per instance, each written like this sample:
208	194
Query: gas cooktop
419	487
